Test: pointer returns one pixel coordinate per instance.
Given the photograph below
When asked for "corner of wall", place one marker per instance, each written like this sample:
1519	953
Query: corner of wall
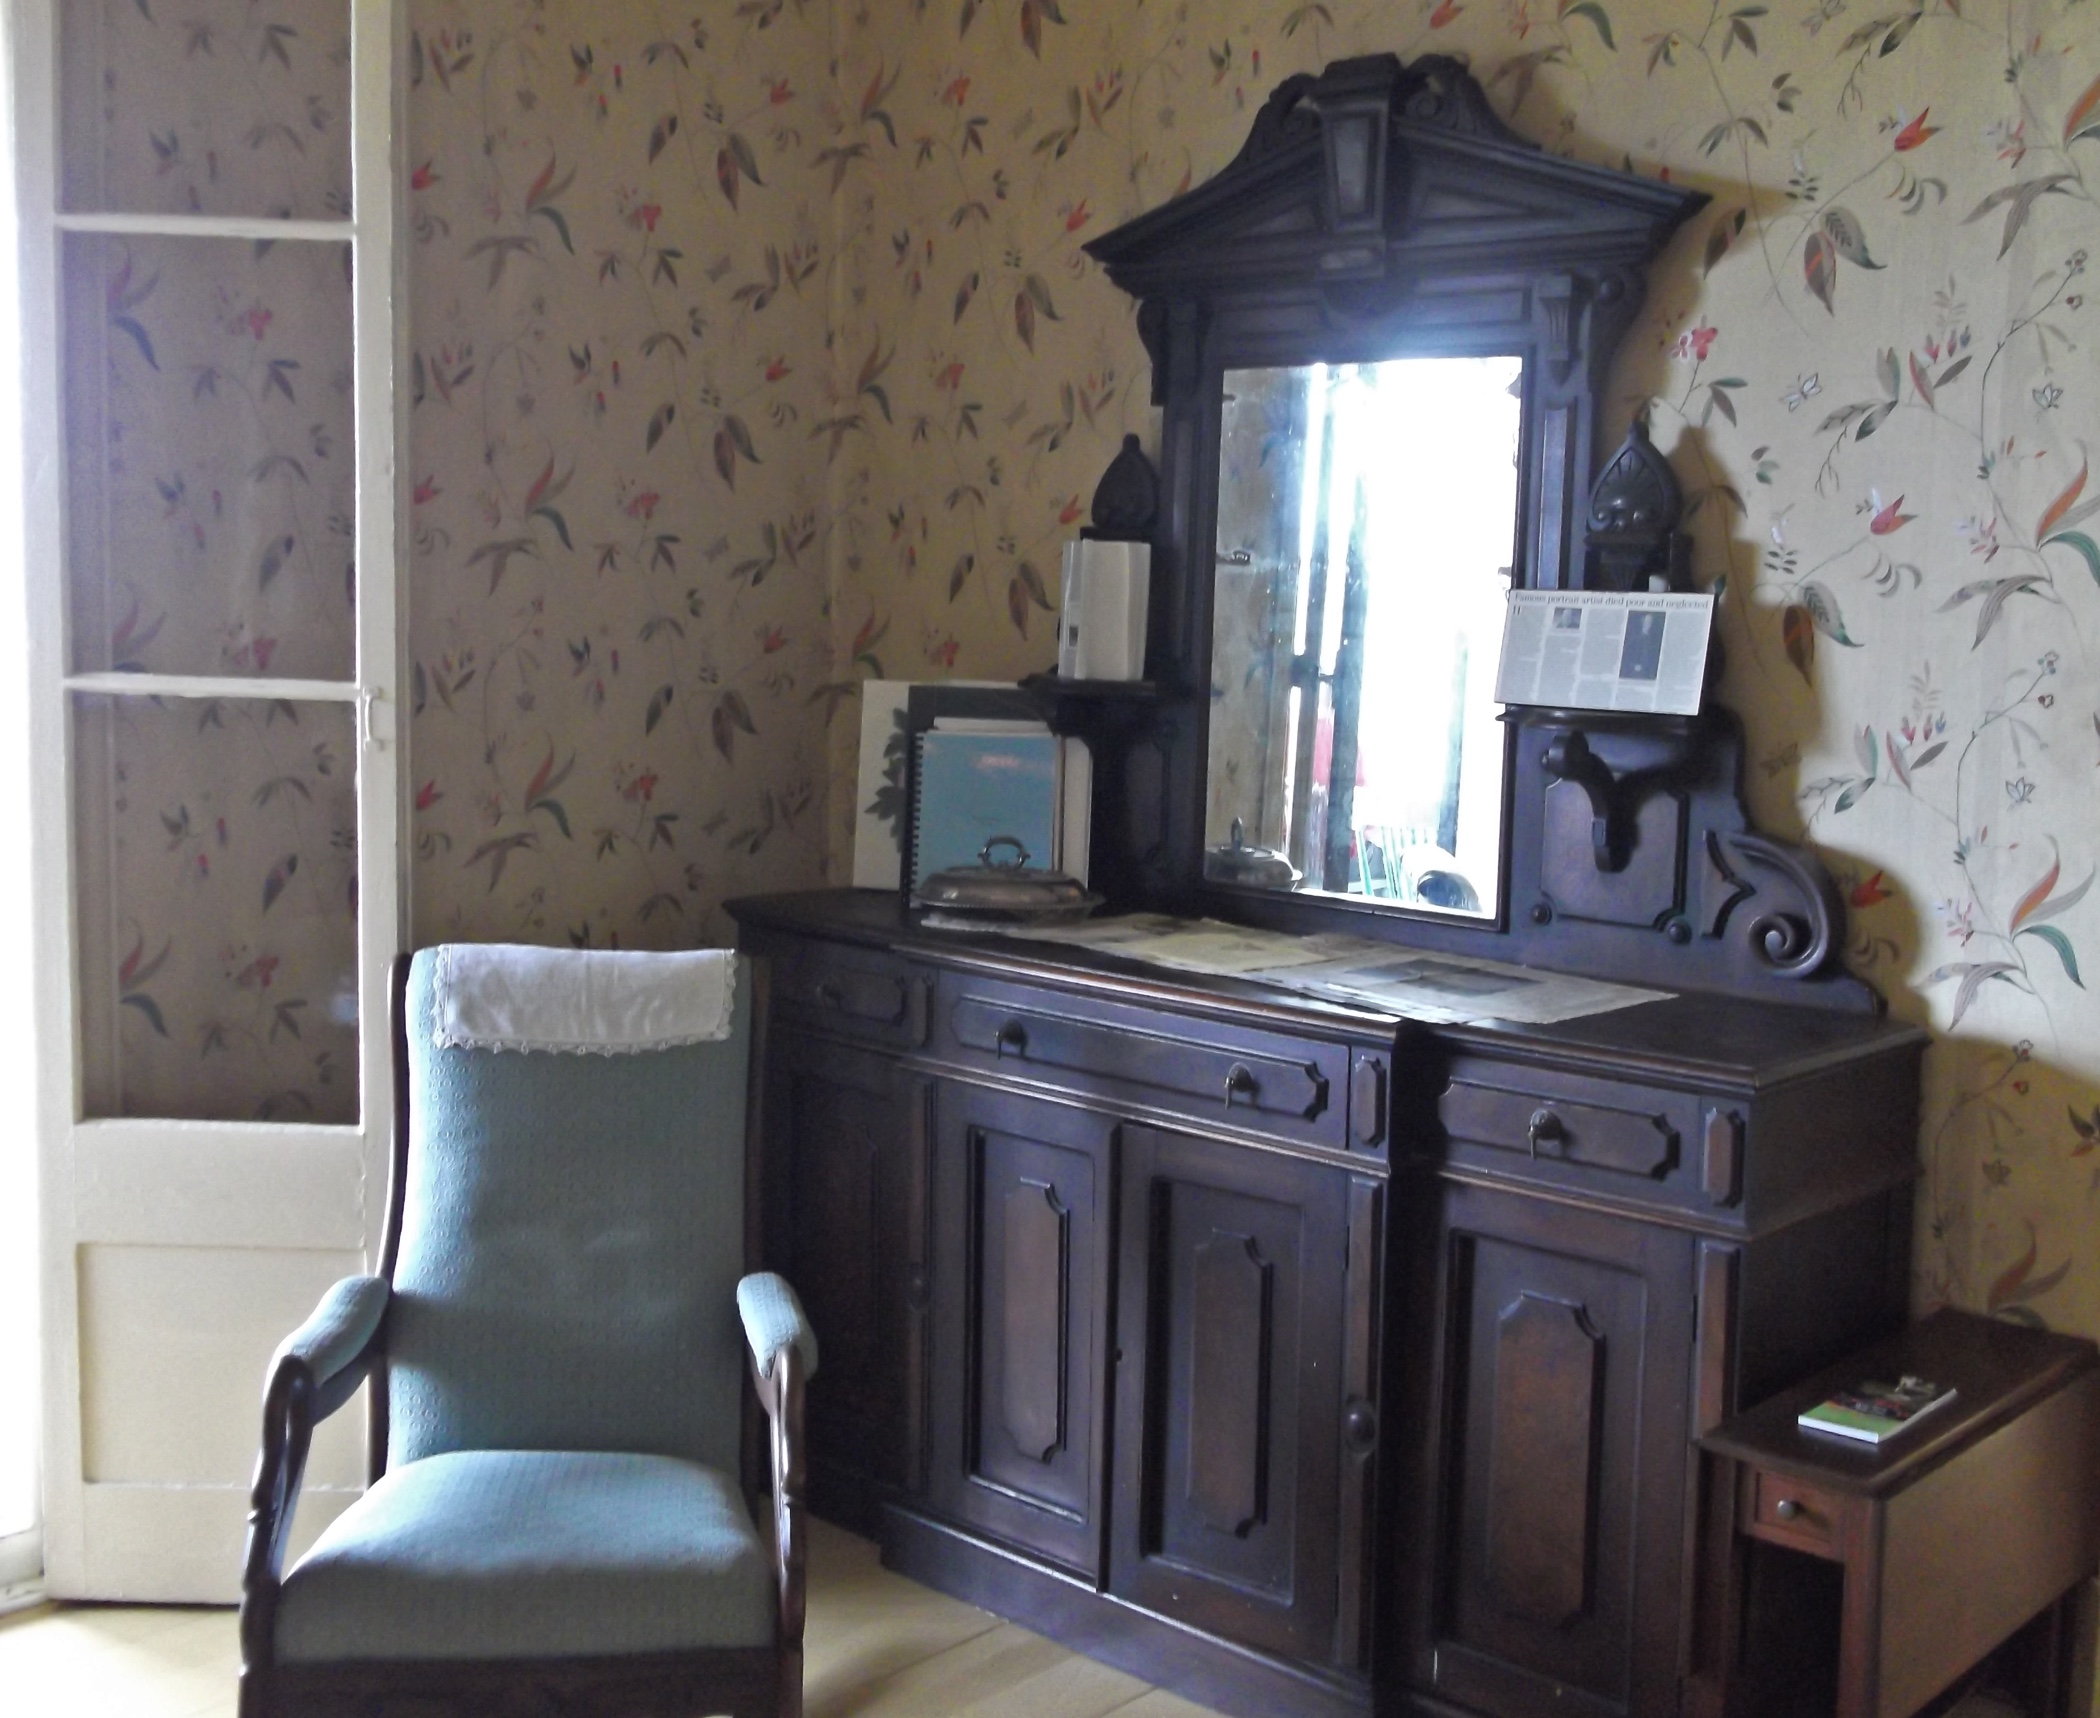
842	728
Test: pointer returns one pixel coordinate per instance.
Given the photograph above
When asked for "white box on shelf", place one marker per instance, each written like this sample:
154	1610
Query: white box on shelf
1108	588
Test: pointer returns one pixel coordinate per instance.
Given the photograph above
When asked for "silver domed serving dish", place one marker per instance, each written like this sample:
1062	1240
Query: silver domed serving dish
1004	889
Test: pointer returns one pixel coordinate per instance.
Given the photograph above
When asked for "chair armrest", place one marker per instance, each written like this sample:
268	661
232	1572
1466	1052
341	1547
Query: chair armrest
774	1319
783	1355
315	1371
335	1341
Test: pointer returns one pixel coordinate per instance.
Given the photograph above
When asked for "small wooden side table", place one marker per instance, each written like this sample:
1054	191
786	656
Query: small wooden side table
1954	1535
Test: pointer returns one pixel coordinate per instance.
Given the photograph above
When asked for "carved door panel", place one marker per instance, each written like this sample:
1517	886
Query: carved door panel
1555	1464
1020	1318
1232	1333
846	1224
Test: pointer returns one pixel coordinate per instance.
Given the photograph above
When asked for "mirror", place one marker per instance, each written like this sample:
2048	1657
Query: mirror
1367	524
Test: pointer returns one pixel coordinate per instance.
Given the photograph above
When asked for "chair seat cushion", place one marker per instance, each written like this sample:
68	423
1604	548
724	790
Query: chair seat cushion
532	1554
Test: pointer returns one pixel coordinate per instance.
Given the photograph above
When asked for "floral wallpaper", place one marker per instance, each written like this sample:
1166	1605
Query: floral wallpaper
622	259
1867	358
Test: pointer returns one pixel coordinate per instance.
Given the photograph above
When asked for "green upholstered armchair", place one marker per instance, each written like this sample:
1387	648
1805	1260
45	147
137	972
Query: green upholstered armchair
555	1521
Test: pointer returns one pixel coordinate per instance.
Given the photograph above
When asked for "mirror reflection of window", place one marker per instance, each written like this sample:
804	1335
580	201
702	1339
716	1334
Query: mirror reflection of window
1366	528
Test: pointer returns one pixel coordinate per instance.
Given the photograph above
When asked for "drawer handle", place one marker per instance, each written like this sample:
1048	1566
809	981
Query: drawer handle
1360	1427
1240	1083
1786	1508
830	995
1546	1128
1012	1036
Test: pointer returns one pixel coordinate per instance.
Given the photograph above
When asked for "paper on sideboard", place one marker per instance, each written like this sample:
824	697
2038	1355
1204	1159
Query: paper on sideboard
1446	989
1195	945
1439	989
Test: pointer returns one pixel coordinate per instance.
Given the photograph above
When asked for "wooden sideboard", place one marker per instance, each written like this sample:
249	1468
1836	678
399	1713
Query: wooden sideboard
1297	1357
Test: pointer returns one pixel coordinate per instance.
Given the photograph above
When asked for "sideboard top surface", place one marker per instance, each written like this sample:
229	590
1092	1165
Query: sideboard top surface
1689	1038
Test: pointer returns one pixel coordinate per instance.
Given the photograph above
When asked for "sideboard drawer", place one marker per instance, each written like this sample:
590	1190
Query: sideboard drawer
853	993
1292	1088
1624	1138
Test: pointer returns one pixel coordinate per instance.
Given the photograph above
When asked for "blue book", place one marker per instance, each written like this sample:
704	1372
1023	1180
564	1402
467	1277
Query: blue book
976	786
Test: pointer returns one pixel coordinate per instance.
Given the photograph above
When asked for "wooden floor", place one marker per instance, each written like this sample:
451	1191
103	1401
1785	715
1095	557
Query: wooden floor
879	1646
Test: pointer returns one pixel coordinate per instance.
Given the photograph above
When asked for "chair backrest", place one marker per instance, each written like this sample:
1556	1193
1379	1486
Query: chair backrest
572	1232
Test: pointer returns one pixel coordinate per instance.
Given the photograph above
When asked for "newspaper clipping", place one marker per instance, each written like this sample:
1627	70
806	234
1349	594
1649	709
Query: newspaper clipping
1606	650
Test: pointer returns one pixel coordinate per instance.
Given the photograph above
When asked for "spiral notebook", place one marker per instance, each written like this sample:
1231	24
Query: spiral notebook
979	782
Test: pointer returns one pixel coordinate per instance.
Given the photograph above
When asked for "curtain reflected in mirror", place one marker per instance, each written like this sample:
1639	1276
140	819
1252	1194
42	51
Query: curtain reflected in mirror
1367	523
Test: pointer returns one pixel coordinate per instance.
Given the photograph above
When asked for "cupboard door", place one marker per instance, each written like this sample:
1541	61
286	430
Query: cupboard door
1020	1324
846	1204
1229	1417
1556	1463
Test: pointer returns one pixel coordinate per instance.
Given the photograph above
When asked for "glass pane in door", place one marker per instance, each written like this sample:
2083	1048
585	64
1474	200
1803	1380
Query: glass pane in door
206	107
211	467
216	868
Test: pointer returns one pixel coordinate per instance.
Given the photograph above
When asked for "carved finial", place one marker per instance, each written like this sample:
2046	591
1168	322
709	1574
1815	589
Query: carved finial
1634	512
1439	90
1126	500
1638	490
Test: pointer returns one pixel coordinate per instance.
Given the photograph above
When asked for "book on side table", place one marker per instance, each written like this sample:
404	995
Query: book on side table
1874	1412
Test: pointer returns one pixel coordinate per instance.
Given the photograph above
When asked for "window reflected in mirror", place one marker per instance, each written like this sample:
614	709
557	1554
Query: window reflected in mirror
1367	525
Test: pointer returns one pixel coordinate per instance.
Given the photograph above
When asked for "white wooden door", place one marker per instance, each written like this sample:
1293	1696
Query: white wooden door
209	199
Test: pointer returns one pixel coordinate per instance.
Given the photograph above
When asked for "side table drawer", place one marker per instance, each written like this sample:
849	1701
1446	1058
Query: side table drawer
1788	1512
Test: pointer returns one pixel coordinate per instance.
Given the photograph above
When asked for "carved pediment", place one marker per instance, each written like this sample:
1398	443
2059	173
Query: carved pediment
1450	178
1459	191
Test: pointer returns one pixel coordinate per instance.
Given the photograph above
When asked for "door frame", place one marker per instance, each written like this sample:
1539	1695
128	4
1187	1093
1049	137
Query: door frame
73	1207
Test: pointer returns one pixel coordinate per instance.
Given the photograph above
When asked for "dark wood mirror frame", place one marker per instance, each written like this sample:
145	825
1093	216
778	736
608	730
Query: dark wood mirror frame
1378	210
